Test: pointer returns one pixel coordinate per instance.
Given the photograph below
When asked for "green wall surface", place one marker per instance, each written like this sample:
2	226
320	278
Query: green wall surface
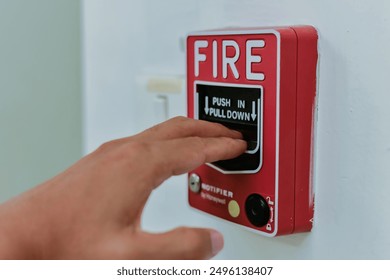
40	91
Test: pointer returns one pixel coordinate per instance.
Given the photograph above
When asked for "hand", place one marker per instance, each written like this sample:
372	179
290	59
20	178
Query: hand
93	209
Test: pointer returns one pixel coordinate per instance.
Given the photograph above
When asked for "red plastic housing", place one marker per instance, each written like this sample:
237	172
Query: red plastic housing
273	70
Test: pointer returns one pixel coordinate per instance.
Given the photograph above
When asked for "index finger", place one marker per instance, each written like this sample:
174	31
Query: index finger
180	127
178	156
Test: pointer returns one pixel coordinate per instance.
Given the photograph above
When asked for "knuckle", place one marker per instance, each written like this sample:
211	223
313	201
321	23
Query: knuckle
178	122
179	119
155	128
106	146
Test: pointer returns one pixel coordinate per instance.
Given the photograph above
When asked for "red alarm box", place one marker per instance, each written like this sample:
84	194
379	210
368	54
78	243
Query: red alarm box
261	82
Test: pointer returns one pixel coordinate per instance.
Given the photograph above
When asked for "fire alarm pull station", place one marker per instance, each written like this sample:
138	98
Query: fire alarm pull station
261	82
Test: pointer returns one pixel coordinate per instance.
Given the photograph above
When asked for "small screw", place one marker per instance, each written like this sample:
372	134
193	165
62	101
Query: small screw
194	183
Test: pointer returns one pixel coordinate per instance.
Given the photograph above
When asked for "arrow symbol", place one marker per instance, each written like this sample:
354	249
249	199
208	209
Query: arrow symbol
206	106
253	110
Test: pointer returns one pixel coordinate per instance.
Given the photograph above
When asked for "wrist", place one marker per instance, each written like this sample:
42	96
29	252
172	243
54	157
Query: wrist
21	235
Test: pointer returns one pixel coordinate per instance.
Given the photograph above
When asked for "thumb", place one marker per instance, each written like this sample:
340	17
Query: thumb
182	243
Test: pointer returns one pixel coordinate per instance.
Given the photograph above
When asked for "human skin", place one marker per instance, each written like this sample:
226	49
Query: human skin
93	209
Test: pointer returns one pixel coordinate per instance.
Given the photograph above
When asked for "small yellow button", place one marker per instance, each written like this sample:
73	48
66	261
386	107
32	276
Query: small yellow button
234	208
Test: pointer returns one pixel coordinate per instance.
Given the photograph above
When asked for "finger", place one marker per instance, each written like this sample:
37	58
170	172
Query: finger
180	127
180	243
178	156
148	164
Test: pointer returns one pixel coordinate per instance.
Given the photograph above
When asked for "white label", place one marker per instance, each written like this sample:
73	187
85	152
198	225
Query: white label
231	61
250	59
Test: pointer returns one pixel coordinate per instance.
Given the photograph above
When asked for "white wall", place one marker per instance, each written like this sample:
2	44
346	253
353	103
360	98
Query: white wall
128	40
40	91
